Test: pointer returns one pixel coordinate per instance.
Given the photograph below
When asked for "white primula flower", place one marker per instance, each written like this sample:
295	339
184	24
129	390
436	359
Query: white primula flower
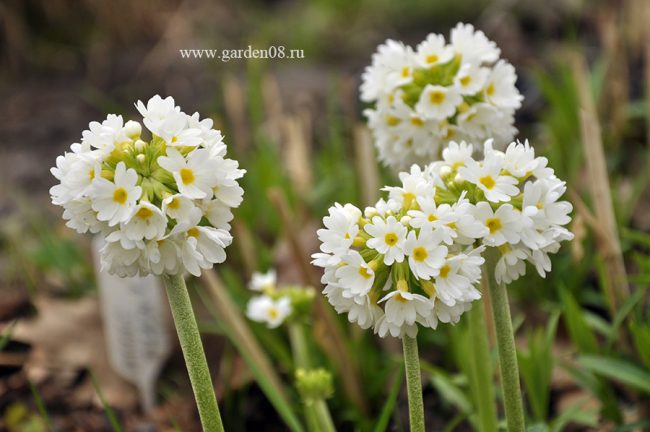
266	310
194	176
442	218
500	87
114	201
425	253
470	79
163	202
388	238
146	222
263	281
355	276
488	176
403	307
504	225
433	50
473	45
438	102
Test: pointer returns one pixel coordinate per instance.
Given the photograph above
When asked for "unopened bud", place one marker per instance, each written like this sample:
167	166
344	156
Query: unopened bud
140	145
132	129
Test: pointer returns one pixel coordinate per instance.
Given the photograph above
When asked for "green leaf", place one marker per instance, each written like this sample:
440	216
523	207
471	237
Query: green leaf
389	407
574	319
619	370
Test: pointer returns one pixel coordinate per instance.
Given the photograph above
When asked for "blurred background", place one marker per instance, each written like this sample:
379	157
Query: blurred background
296	126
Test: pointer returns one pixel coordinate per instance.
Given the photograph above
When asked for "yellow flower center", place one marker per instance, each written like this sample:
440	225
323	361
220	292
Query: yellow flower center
464	81
392	120
174	139
539	205
432	218
193	232
488	182
174	203
91	173
444	271
420	254
437	97
363	271
390	239
187	175
432	58
273	313
120	195
144	213
405	72
494	224
417	121
490	89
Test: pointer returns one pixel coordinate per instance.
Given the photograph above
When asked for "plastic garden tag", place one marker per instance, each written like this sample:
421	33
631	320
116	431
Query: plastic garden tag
135	323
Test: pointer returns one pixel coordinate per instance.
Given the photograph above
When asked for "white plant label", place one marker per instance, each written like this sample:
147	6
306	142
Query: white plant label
135	323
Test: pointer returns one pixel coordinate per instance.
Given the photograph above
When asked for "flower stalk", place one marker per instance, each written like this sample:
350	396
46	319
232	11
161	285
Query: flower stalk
510	385
190	340
413	383
481	367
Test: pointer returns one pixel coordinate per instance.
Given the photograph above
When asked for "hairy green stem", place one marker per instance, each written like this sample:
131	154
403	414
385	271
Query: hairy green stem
512	400
413	383
317	412
190	340
481	367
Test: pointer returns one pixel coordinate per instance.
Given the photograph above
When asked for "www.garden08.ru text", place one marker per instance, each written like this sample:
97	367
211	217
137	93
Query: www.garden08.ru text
225	55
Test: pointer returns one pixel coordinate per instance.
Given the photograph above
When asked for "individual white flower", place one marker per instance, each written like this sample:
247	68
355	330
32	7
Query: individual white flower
403	307
438	102
194	176
503	225
511	265
105	135
489	178
146	222
471	78
355	276
181	208
175	131
456	154
156	112
114	201
473	45
500	87
433	50
388	238
425	253
340	230
263	281
266	310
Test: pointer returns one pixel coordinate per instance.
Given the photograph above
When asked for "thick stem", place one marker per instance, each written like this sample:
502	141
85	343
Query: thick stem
301	357
507	350
413	383
197	365
481	367
322	411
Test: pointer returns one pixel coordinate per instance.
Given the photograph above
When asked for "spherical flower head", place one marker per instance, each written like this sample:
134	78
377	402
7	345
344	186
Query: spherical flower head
163	203
422	99
414	260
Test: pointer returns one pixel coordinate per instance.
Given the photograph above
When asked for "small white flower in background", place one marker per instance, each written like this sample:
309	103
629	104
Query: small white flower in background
415	259
266	310
163	203
425	98
263	281
274	305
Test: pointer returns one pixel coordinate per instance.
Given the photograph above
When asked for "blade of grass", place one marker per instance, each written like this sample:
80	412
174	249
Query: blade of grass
391	401
110	414
40	405
618	370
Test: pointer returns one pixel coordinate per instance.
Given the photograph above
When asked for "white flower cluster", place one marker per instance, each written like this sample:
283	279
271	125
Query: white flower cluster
163	205
416	257
439	92
269	307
